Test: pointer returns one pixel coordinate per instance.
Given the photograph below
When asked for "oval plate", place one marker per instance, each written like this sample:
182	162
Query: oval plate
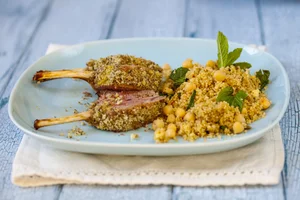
30	101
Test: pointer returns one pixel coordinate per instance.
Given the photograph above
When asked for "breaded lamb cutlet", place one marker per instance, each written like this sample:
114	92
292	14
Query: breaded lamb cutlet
116	111
115	72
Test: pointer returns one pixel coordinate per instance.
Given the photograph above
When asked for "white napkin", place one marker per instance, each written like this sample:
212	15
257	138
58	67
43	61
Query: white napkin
36	164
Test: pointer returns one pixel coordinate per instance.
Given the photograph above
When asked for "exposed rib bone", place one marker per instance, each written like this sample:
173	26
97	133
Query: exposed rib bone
39	123
42	76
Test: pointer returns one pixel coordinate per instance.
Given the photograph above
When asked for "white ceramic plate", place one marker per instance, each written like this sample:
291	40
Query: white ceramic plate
30	101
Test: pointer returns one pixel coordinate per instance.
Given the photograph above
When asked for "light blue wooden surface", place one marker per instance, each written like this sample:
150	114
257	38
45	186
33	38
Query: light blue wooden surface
28	26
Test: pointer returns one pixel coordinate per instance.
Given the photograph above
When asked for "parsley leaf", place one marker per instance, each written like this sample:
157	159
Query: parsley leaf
192	100
222	43
236	100
243	65
263	76
178	76
233	56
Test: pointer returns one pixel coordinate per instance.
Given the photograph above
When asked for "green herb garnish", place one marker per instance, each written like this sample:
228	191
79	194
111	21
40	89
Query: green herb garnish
236	100
178	76
192	100
225	58
223	127
263	76
179	95
242	65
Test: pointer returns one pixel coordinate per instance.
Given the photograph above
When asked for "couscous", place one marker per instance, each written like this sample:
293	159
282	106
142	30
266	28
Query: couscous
221	97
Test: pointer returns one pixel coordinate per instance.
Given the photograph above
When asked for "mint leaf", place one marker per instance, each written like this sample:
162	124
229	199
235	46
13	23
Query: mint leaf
223	127
179	95
225	95
178	76
233	56
236	100
222	44
263	76
192	100
243	65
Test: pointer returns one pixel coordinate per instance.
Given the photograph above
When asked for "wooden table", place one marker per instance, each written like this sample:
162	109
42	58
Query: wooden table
28	26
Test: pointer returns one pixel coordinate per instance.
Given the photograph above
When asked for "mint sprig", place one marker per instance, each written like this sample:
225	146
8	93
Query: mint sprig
226	58
236	100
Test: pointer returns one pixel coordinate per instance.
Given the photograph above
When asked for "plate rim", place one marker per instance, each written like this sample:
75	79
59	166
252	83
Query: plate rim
246	137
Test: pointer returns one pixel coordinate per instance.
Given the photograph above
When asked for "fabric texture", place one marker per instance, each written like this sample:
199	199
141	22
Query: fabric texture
261	162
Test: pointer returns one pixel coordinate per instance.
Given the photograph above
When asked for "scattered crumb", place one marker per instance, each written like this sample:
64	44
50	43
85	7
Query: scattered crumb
76	131
121	133
87	105
134	136
83	123
54	116
80	103
66	110
86	95
75	111
61	134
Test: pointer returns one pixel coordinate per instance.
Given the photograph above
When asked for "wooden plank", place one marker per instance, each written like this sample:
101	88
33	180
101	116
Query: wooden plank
80	192
137	19
58	27
18	22
228	193
240	22
150	19
282	36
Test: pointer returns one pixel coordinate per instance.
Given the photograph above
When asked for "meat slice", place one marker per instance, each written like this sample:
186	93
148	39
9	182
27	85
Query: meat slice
116	111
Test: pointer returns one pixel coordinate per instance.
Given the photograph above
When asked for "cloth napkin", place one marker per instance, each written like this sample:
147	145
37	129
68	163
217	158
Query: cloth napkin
261	162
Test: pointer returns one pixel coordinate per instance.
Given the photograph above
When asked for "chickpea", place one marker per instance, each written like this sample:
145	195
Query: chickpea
189	117
180	112
159	134
265	102
167	90
188	63
219	75
255	93
240	118
172	126
166	67
244	111
168	109
166	73
211	63
158	123
170	133
238	127
190	87
171	118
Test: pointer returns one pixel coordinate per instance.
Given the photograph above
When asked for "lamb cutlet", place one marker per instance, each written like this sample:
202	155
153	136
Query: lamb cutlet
116	72
116	111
